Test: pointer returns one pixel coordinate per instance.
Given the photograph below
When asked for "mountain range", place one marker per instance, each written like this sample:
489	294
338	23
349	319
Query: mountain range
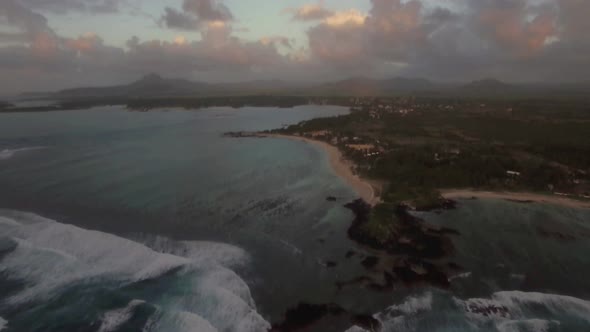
154	85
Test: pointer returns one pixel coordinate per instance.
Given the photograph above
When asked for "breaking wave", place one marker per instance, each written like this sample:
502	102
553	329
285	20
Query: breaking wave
183	285
507	311
9	153
113	319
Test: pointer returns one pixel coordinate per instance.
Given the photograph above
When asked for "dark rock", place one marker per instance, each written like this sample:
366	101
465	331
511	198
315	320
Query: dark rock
488	310
443	204
350	254
386	286
556	235
356	281
367	322
331	264
414	238
370	262
519	201
305	315
415	271
331	199
454	266
242	134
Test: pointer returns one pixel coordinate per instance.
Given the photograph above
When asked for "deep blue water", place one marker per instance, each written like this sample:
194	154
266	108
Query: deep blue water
123	221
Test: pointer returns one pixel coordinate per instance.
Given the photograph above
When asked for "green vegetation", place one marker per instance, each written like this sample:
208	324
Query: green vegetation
417	146
380	226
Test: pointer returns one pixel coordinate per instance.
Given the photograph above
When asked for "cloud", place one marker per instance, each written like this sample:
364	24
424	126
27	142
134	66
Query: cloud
71	61
517	26
350	17
195	14
340	39
277	41
25	21
309	12
520	40
175	19
208	10
458	39
385	34
64	6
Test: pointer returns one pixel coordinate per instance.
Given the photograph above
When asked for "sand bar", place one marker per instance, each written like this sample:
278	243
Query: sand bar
517	196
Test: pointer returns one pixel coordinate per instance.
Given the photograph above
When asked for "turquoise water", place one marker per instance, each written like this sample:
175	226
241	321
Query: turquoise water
125	221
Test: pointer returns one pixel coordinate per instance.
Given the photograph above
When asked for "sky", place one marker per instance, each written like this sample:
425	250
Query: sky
47	45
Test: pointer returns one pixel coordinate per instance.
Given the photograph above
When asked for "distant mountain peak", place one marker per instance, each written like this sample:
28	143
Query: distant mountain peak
152	77
489	82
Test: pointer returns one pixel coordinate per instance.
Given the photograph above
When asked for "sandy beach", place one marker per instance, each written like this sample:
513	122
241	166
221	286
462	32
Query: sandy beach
517	196
366	191
341	167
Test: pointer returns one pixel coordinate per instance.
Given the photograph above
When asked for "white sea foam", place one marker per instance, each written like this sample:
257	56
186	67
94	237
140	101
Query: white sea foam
51	256
3	323
8	222
395	317
519	302
113	319
294	249
527	325
356	329
507	311
463	275
524	311
217	293
180	321
413	305
199	251
9	153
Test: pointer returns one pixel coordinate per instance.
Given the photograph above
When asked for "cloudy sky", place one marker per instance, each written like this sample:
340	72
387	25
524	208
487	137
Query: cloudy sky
52	44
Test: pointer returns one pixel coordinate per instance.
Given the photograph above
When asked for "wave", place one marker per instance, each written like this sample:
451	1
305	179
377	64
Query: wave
528	325
217	292
525	305
3	323
113	319
509	311
463	275
189	278
397	317
506	311
51	255
180	321
9	153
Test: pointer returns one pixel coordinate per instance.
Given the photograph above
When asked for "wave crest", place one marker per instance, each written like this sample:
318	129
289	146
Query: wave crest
191	283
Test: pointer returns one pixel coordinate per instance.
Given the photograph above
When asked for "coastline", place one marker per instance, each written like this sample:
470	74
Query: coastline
515	196
341	166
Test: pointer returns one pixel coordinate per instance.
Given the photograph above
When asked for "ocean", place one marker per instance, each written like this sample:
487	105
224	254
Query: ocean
113	220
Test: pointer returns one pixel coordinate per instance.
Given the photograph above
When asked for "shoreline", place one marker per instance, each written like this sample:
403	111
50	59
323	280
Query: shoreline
515	196
341	167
